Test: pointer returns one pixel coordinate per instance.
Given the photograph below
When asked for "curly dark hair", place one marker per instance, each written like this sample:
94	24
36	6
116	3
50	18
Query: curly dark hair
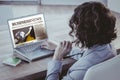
92	23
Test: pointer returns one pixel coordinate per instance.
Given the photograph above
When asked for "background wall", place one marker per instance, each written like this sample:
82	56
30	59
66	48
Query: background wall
114	5
68	2
57	14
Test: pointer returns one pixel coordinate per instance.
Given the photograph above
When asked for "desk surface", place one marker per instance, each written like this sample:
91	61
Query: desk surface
29	71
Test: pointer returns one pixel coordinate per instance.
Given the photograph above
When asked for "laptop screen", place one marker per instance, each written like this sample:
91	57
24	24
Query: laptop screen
27	29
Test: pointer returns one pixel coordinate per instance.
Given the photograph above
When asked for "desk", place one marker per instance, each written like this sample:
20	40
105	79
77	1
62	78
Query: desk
35	70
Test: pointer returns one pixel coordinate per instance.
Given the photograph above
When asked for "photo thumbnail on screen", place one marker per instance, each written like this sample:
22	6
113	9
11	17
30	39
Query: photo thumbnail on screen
23	35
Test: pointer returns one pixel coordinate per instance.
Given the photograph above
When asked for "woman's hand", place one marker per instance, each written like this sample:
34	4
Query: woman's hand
62	50
48	45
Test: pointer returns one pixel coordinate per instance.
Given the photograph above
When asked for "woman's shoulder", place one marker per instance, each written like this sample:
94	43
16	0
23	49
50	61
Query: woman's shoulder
102	50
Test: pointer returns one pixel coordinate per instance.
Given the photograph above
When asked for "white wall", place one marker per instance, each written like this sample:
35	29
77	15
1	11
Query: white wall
114	5
5	14
18	0
68	2
60	2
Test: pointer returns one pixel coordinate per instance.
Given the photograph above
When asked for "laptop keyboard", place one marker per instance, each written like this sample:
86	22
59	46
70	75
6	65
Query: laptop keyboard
34	51
30	48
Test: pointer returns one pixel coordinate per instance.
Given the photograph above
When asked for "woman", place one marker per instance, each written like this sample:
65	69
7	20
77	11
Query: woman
93	25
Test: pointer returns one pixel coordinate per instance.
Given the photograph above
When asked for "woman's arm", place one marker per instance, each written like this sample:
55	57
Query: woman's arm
79	68
55	66
54	70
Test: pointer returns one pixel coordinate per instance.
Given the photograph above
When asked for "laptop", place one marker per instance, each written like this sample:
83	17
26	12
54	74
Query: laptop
27	34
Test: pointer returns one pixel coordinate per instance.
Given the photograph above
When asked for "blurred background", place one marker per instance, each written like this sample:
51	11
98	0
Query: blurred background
56	12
